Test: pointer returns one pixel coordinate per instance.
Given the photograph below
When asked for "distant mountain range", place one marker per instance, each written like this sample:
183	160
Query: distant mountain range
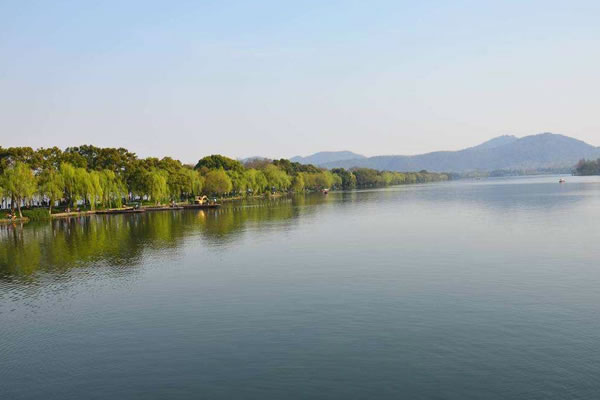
324	157
535	152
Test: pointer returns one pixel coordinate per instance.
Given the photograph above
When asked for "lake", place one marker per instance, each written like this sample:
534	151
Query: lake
462	290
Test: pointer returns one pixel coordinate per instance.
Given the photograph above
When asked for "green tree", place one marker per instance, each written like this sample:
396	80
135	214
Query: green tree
217	182
239	181
96	189
347	177
20	183
298	182
84	187
67	171
277	179
197	181
137	178
112	189
178	179
365	177
85	175
321	180
216	161
257	181
51	185
292	168
158	188
50	158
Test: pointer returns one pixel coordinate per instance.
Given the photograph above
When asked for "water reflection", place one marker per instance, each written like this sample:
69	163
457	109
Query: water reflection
120	240
495	196
372	289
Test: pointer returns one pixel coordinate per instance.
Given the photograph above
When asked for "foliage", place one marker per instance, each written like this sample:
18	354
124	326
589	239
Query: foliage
98	159
36	214
348	179
19	183
298	183
239	181
158	189
51	186
217	182
106	177
292	168
257	181
257	163
68	173
217	161
585	167
277	179
113	189
320	180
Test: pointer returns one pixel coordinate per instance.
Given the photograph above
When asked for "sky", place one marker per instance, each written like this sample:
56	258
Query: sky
284	78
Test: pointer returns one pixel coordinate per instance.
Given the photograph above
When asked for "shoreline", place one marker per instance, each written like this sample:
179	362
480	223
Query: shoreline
148	208
6	221
155	208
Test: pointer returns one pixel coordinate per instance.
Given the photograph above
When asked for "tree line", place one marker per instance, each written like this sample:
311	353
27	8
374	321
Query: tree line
588	167
107	177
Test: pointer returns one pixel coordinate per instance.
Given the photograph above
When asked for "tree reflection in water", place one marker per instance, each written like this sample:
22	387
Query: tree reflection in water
121	240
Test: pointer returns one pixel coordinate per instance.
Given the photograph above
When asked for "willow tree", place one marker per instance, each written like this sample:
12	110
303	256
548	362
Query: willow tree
20	184
298	182
257	181
239	181
67	171
158	189
193	182
84	186
113	190
277	178
51	185
95	192
217	182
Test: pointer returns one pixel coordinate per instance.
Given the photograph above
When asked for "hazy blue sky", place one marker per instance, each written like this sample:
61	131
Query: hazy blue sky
280	78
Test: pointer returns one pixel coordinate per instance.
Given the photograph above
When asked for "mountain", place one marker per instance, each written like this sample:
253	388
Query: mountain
252	158
327	157
542	151
496	142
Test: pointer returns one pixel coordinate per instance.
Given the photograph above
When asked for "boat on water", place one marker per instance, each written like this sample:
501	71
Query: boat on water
562	180
325	191
202	202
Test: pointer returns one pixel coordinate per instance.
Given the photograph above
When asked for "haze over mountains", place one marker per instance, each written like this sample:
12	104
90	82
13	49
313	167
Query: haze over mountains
324	157
535	152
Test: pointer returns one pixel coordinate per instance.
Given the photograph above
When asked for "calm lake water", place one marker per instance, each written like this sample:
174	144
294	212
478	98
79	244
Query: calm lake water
463	290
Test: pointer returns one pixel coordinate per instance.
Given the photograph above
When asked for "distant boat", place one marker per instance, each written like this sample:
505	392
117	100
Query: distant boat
325	191
561	180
